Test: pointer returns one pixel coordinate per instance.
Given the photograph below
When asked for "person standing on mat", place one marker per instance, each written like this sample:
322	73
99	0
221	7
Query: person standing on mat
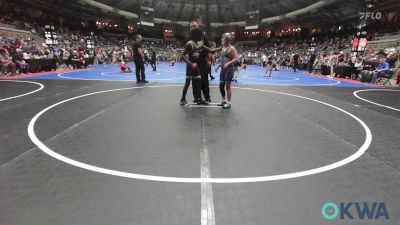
191	55
269	67
295	60
311	62
212	59
264	60
204	63
229	57
138	59
153	60
241	64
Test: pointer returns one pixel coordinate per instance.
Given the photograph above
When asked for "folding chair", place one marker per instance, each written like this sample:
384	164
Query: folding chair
385	80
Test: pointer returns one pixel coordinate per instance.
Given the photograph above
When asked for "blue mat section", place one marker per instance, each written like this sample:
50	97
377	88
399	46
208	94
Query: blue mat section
176	74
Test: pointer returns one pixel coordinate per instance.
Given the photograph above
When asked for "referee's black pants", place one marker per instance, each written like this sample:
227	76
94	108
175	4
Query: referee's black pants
139	64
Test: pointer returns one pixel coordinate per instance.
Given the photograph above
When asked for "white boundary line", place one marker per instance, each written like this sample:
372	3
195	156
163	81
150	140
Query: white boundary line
157	79
298	77
201	106
366	90
41	86
304	84
207	200
349	159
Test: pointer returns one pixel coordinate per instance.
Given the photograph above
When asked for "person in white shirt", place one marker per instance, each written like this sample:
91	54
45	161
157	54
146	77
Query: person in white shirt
333	61
26	55
358	66
264	60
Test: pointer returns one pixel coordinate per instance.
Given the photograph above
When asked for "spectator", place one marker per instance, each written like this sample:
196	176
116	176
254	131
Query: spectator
369	66
382	70
357	68
19	61
264	60
311	62
6	62
75	60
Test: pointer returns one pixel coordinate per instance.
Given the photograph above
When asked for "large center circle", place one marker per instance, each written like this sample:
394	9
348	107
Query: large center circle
47	150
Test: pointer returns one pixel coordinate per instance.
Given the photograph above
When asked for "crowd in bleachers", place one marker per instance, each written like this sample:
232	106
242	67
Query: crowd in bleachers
372	66
331	57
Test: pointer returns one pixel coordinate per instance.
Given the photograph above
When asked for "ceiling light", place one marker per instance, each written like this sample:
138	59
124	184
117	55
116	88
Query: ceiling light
370	3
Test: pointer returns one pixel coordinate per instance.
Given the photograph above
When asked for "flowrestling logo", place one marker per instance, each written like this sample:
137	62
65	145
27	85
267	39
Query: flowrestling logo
355	211
370	15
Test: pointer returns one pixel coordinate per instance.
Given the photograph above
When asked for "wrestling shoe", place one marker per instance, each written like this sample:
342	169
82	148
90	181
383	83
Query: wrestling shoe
222	103
183	102
227	106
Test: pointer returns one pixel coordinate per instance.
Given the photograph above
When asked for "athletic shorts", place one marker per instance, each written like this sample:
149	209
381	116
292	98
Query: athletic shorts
192	74
226	75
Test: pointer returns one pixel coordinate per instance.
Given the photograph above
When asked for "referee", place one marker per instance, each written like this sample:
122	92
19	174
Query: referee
138	59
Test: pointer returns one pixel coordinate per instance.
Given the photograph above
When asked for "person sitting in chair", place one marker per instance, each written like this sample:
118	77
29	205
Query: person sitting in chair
6	62
19	61
382	70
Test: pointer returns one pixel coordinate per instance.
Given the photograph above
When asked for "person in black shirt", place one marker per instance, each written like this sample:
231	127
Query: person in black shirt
138	59
369	66
153	59
19	61
311	63
191	55
204	62
295	60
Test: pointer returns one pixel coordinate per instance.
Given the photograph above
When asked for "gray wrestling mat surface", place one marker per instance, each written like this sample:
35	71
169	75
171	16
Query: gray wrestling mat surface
271	159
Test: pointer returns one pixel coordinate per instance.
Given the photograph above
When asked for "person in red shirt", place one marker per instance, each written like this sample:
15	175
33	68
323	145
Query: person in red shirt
124	68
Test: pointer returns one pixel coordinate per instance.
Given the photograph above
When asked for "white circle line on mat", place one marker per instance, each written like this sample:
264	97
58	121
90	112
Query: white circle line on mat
106	74
243	82
298	84
375	103
349	159
270	78
134	80
41	86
